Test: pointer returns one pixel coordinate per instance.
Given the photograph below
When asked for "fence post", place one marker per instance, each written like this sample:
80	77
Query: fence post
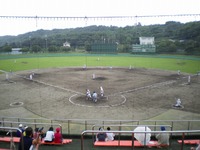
183	136
132	141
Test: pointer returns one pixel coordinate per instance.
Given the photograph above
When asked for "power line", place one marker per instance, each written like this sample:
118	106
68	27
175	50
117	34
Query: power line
94	17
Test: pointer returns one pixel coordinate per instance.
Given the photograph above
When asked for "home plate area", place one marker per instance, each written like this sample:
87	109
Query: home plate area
106	101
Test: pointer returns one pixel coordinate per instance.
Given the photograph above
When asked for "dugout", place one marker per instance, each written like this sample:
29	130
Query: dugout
104	48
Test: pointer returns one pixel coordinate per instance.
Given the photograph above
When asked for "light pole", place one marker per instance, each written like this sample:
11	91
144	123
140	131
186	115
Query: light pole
46	41
29	43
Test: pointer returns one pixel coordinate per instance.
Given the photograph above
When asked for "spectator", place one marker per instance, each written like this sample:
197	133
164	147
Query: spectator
24	133
163	138
58	136
49	135
101	136
35	133
28	142
18	132
110	135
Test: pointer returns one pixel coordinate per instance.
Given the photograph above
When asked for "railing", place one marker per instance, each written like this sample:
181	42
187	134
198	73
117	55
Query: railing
12	144
32	124
76	126
183	132
120	127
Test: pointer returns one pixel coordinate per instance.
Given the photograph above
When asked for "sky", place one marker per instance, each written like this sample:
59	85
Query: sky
90	8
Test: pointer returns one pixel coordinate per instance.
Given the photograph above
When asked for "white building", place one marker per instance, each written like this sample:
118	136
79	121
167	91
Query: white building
146	40
66	44
146	45
16	51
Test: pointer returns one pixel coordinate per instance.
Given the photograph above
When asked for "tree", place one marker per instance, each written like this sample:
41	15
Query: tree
7	48
53	49
36	48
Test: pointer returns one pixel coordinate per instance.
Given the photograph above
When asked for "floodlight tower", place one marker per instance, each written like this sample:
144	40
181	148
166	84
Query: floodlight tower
29	42
46	42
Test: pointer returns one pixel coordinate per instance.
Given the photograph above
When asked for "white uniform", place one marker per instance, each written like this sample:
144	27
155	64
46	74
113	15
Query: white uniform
189	78
178	103
101	91
31	77
88	94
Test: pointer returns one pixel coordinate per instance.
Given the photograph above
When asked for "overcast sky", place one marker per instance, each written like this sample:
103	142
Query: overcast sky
81	8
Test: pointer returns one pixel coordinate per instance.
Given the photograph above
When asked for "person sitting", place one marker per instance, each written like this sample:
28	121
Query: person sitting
58	136
163	138
101	136
49	135
110	135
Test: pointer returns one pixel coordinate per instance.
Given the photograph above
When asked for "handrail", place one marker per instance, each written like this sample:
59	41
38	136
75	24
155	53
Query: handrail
124	125
133	132
29	123
119	125
60	119
11	128
11	135
176	124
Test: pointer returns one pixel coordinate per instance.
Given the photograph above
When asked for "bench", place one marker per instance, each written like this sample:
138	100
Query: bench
191	142
17	140
8	139
126	143
65	141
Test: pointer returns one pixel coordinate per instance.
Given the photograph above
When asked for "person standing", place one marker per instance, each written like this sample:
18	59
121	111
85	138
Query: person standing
18	132
94	96
163	138
101	91
27	142
88	94
189	79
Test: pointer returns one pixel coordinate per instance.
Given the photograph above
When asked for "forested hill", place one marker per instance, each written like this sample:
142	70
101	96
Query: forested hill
170	37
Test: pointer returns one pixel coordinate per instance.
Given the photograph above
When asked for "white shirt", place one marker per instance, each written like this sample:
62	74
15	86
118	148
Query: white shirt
49	136
110	136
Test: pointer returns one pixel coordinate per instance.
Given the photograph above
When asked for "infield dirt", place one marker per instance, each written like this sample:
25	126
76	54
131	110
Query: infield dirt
130	94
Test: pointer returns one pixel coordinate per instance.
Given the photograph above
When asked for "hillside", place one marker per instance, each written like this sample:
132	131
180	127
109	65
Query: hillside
170	37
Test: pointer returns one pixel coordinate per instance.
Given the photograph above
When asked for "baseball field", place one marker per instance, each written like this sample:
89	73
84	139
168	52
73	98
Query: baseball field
136	87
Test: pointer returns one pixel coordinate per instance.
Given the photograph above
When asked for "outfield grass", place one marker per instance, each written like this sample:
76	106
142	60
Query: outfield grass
187	64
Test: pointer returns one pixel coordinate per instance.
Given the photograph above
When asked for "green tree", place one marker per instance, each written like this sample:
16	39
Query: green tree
53	49
36	48
7	48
